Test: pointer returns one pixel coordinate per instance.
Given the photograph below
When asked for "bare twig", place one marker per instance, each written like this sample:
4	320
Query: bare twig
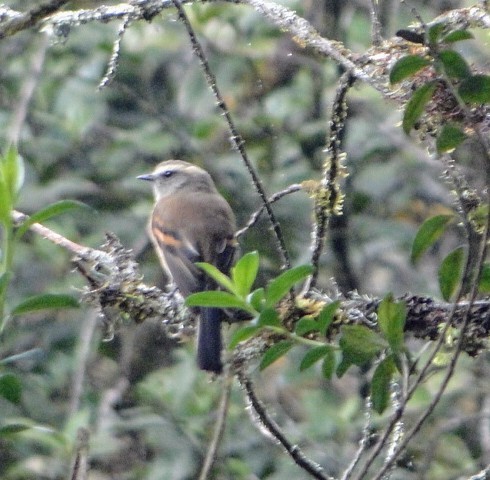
30	18
116	49
26	92
48	234
85	337
236	139
79	469
375	23
295	187
364	442
328	197
219	426
266	421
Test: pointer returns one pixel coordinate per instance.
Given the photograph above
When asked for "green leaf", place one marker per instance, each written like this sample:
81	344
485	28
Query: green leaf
257	299
327	316
4	282
484	285
449	273
10	388
312	356
306	325
380	384
407	66
48	212
475	89
218	299
435	32
416	105
359	344
33	355
281	285
449	138
268	318
454	64
428	234
12	171
391	319
328	364
457	36
45	301
218	276
244	273
275	352
12	428
243	334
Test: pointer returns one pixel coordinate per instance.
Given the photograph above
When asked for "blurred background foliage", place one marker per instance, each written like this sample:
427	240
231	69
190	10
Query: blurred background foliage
149	410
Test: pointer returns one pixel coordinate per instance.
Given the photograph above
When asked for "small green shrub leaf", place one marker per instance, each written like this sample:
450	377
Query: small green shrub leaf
306	325
391	319
48	212
428	234
10	388
243	334
458	36
359	344
406	67
244	273
416	105
218	276
476	89
218	299
454	64
275	352
328	364
312	356
45	301
257	299
12	428
269	318
435	32
327	316
449	138
484	286
281	285
449	273
380	384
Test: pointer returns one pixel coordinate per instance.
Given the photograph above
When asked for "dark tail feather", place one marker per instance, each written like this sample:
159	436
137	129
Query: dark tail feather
209	340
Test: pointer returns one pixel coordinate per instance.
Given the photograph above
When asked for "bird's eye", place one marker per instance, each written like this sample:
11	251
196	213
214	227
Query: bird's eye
168	173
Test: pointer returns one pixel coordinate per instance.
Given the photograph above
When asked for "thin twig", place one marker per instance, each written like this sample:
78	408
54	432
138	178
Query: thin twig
116	50
30	18
375	23
236	139
50	235
315	470
295	187
85	338
364	442
459	346
79	470
27	91
328	197
219	428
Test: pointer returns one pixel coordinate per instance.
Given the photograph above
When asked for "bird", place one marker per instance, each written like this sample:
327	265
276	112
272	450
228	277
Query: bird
192	222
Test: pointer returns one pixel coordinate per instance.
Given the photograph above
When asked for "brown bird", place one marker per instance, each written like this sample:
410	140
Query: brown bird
191	222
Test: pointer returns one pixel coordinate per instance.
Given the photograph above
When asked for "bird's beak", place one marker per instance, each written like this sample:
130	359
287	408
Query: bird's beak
148	177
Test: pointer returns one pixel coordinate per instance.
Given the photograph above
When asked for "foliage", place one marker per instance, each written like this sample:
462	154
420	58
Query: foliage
330	378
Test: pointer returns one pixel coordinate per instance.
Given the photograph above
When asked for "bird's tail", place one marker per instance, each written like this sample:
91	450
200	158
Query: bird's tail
209	340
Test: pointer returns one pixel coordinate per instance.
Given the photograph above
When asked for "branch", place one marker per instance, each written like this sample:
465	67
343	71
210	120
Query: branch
267	422
236	139
17	22
219	428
